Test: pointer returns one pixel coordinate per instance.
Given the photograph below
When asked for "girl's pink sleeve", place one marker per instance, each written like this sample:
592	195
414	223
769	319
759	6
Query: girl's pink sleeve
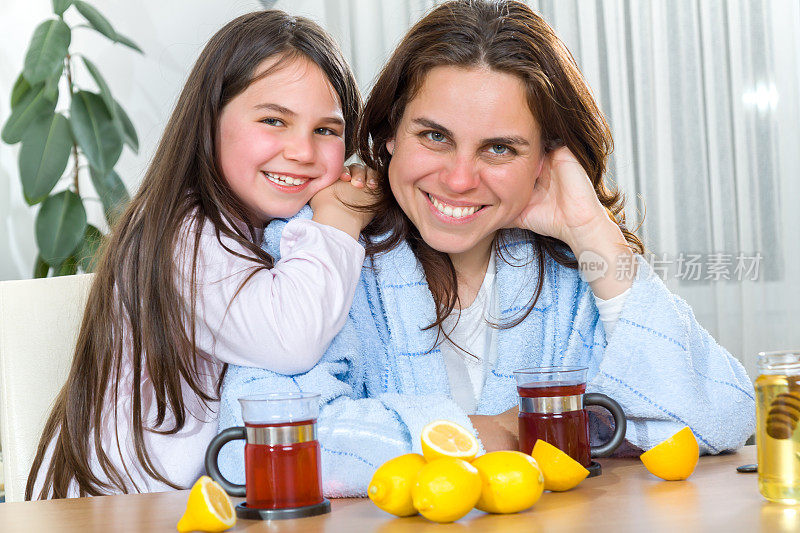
282	319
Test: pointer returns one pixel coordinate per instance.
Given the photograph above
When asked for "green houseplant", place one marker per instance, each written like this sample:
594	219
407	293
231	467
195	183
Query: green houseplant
94	127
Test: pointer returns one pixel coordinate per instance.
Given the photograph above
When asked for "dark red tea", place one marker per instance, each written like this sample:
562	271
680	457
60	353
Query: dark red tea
280	477
568	431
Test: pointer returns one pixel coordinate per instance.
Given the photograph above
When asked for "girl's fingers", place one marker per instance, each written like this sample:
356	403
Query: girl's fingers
345	176
358	175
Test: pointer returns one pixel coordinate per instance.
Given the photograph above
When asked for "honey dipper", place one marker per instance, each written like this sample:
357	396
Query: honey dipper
784	411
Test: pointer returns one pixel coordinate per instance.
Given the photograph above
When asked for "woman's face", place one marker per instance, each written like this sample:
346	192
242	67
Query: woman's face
465	157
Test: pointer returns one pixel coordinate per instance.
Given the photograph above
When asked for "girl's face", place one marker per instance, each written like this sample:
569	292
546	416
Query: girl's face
281	140
465	157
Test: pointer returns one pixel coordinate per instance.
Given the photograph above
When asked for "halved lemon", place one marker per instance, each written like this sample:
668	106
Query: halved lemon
561	472
675	458
442	438
209	508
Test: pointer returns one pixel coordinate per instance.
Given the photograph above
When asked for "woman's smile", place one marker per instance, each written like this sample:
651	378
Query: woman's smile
453	212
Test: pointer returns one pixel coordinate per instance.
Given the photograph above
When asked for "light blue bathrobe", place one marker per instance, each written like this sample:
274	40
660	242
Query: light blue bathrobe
382	379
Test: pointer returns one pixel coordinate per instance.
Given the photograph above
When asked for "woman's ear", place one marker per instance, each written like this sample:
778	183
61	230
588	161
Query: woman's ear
390	146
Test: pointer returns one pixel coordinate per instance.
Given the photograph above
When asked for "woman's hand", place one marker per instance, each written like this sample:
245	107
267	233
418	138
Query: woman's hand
498	432
564	205
345	205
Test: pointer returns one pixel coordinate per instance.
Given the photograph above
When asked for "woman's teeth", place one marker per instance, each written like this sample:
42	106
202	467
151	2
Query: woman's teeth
455	212
280	179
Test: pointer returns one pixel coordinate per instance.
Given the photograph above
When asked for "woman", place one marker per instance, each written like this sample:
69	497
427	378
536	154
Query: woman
490	152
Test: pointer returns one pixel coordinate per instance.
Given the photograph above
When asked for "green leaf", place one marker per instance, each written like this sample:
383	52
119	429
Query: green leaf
126	128
21	87
59	6
60	226
40	269
94	130
87	251
121	39
105	92
32	106
112	193
68	267
47	50
96	20
51	84
44	156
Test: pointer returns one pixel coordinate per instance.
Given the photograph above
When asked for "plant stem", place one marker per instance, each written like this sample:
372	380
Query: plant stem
74	144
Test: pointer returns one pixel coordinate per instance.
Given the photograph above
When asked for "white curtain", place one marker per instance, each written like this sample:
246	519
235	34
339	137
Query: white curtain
702	99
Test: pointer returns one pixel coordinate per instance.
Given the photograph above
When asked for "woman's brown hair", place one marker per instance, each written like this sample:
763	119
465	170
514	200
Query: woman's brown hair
135	309
505	36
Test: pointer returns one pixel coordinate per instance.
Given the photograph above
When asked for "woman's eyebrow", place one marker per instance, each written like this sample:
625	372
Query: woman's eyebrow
519	141
428	123
511	139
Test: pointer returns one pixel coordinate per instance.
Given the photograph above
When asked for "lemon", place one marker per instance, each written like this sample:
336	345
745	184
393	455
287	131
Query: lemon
442	438
512	481
390	488
675	458
208	508
446	489
561	472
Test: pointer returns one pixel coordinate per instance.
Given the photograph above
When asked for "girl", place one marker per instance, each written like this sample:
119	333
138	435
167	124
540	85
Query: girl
261	128
490	153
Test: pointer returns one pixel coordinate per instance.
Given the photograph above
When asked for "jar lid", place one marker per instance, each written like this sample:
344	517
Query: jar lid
779	362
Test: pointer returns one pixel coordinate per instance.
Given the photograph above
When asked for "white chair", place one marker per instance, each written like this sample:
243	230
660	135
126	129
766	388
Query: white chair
39	323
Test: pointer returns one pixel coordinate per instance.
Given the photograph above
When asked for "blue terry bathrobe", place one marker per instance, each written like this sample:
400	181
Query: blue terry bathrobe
382	379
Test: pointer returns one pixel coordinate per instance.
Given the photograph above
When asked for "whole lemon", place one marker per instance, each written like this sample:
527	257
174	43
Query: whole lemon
446	489
512	481
390	487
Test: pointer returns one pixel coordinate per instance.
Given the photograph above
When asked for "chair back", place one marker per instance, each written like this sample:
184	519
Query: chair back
39	323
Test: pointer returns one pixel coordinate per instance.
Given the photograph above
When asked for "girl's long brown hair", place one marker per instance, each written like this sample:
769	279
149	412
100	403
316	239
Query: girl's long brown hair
135	309
508	37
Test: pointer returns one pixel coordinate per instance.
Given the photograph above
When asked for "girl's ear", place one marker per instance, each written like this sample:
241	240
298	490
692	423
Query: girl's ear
390	146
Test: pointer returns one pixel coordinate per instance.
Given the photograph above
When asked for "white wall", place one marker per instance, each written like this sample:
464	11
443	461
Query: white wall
171	33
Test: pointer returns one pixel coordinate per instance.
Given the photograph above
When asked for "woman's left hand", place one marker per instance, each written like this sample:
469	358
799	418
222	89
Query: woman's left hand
564	203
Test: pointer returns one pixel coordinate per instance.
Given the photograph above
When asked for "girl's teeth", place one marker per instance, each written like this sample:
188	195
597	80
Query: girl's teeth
450	211
284	180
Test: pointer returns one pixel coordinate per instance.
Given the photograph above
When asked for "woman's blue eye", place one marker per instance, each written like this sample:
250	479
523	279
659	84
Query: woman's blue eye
325	131
499	149
435	136
272	122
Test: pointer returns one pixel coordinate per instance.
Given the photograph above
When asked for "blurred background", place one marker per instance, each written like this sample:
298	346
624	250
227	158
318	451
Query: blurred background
701	96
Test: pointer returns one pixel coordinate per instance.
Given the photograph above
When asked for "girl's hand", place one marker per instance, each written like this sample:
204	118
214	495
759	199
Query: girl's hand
357	175
564	204
344	206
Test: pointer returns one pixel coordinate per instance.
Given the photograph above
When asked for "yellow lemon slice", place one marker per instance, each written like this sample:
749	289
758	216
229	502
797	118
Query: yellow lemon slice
442	438
208	508
511	481
675	458
390	488
446	489
561	472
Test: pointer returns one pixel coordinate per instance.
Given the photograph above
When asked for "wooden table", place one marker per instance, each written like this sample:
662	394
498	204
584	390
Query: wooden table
625	498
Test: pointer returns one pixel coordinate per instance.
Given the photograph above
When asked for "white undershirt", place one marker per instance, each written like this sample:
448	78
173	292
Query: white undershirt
469	329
